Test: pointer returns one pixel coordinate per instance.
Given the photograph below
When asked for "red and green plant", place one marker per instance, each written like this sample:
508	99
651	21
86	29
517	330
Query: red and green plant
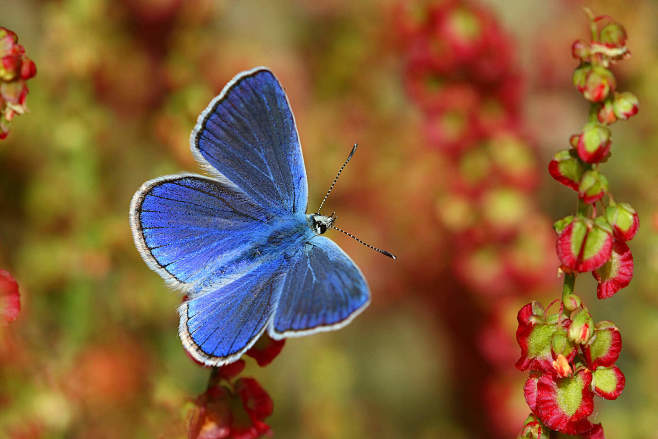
571	357
233	407
15	69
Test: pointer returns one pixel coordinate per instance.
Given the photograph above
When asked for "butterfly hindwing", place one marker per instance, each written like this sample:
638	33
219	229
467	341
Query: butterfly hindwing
248	135
323	290
189	227
218	326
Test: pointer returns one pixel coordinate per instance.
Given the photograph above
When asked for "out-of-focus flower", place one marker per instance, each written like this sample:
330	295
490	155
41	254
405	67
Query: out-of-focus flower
10	302
15	69
109	374
616	273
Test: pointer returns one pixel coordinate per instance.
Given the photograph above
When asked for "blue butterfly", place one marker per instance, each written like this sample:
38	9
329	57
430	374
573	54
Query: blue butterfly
240	243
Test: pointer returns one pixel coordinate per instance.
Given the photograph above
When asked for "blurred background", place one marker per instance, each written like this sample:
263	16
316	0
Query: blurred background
450	175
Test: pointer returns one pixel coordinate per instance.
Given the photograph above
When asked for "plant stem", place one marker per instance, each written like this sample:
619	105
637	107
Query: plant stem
568	286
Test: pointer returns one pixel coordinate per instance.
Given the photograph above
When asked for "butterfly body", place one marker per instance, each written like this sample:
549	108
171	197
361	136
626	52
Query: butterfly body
239	242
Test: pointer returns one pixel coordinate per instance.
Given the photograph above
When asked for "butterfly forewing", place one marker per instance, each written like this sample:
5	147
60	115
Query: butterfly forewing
248	135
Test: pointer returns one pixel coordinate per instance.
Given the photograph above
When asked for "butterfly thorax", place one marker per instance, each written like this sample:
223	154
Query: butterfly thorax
320	223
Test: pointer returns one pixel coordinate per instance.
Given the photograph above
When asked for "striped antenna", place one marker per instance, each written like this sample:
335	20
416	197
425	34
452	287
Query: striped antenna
349	157
384	252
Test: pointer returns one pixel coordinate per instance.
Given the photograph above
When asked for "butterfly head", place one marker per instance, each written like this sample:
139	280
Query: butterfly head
321	223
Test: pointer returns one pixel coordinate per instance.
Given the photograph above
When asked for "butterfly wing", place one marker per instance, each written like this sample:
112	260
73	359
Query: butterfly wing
194	230
248	135
323	290
218	326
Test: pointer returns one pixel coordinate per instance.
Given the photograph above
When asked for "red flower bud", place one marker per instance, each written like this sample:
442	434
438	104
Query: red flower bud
616	273
566	168
580	76
625	105
580	49
562	346
623	219
604	347
582	326
533	429
594	82
598	84
613	35
265	350
572	302
606	114
584	245
608	382
594	143
230	371
28	68
255	399
595	433
562	367
593	186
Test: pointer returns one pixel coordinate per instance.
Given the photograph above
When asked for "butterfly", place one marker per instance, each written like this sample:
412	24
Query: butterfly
240	243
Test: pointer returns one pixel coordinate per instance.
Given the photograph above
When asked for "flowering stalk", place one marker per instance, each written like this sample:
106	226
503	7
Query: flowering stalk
15	70
233	407
570	357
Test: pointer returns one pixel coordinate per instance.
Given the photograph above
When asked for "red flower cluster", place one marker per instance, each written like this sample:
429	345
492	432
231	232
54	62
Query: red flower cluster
461	72
235	408
597	244
10	304
15	70
571	360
